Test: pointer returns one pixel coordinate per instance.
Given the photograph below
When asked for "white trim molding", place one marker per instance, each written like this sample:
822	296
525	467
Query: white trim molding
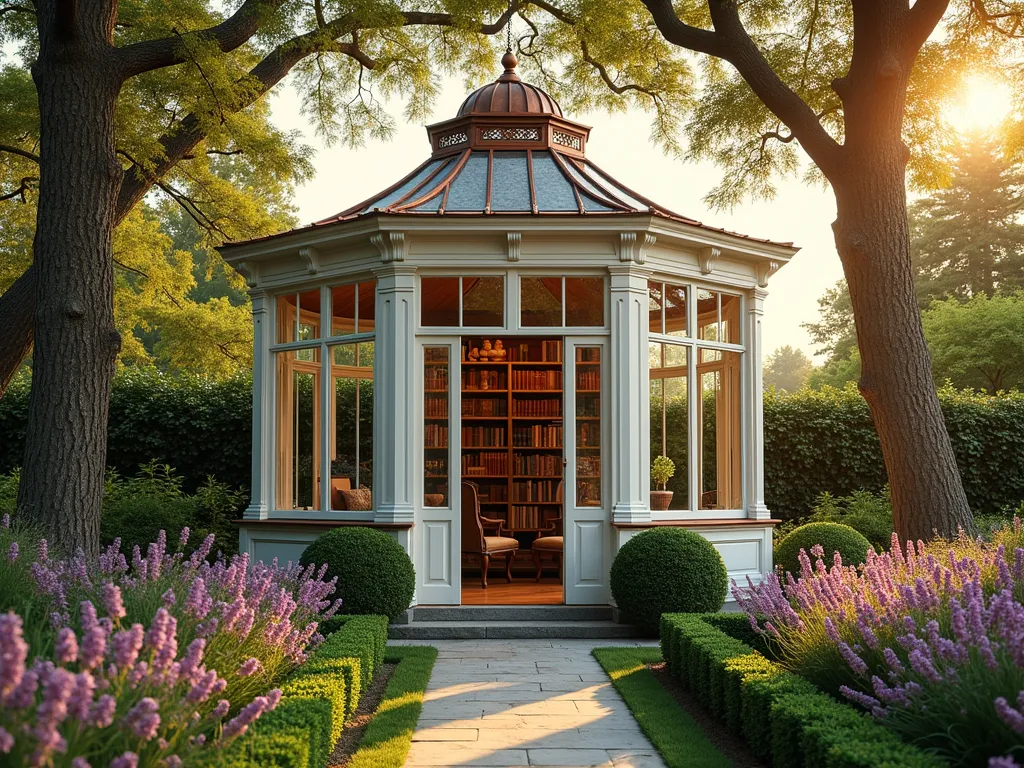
632	246
391	244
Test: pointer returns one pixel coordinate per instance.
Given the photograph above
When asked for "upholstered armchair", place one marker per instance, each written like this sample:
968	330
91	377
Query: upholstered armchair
475	542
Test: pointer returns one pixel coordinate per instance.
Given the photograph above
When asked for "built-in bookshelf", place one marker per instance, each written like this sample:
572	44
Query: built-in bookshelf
436	384
588	426
513	429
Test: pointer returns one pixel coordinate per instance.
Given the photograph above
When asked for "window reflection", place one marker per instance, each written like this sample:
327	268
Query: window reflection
719	431
670	425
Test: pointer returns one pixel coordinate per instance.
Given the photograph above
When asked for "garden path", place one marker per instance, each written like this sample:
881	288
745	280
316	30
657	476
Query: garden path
525	702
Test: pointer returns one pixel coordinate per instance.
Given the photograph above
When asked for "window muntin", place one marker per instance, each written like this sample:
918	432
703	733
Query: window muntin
351	419
588	426
298	444
670	415
473	302
667	304
298	316
557	302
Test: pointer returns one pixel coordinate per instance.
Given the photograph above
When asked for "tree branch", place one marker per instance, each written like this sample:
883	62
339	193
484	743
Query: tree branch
683	35
231	33
785	104
20	152
921	23
21	190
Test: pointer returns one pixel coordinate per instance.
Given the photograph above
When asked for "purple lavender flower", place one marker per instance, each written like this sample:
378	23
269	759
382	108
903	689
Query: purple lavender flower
101	713
1009	715
144	718
112	601
94	638
168	598
66	646
126	760
183	537
1002	762
5	522
13	653
6	740
221	709
42	551
12	552
250	666
198	603
126	646
80	762
240	723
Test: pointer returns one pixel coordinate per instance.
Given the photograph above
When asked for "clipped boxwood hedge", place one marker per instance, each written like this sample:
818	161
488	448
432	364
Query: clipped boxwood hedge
815	441
317	699
783	718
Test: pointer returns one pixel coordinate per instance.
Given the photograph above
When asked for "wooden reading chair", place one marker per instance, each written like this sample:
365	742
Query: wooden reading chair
548	541
474	542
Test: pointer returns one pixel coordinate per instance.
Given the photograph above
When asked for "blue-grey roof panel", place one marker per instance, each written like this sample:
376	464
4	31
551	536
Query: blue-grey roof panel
590	205
468	191
433	205
553	190
615	189
510	186
410	184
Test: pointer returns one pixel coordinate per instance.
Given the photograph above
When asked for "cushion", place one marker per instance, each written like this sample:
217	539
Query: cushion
550	543
357	500
498	543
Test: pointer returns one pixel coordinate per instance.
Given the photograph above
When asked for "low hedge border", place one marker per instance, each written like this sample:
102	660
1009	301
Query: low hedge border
317	700
781	716
388	737
677	737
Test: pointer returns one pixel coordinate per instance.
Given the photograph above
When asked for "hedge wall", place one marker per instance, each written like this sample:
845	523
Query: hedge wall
815	441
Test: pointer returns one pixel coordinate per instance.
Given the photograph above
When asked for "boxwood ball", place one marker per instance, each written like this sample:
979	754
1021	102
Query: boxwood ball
667	570
375	575
833	537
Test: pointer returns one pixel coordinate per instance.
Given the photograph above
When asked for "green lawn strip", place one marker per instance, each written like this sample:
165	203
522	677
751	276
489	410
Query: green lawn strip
670	728
387	738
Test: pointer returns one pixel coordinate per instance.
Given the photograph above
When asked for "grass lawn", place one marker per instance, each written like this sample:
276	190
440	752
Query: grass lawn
388	736
670	728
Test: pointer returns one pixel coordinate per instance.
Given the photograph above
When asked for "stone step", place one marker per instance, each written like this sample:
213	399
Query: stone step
516	613
506	630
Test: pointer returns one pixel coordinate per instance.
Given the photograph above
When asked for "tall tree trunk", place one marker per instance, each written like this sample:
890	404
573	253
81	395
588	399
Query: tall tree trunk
76	342
873	239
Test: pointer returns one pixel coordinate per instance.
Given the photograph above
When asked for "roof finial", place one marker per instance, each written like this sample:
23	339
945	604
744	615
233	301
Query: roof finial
509	60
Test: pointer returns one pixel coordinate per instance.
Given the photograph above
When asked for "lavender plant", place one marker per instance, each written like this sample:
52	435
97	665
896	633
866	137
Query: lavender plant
931	642
115	689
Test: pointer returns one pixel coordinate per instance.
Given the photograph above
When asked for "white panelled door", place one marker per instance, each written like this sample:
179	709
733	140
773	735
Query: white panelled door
587	523
437	534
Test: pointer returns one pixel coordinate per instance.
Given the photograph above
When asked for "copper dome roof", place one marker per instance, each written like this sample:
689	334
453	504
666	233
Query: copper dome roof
509	94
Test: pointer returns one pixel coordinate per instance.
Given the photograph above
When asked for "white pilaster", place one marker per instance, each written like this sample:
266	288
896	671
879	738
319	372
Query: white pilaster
262	408
630	395
394	393
754	395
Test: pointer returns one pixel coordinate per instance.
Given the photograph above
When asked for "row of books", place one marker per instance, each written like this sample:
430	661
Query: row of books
435	406
588	380
483	437
492	493
484	407
548	352
435	435
538	464
535	490
532	380
435	377
526	517
435	467
588	355
485	463
476	379
538	436
435	354
588	405
546	406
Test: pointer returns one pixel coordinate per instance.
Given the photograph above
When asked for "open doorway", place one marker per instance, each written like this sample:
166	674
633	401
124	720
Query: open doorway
512	471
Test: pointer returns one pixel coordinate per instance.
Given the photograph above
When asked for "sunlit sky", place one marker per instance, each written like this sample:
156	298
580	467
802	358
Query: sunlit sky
619	144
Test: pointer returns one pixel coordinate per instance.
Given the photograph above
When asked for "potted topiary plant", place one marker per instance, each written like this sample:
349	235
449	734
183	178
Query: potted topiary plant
662	470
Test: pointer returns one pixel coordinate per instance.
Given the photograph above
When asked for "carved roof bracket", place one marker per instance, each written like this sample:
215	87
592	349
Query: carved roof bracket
391	245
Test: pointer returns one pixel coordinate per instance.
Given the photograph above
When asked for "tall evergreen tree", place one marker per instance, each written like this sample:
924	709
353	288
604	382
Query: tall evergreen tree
967	239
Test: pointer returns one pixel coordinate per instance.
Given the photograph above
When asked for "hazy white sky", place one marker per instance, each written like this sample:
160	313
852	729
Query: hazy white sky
619	144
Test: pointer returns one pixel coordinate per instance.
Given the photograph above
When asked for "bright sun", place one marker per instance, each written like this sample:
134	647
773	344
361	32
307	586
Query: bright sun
982	103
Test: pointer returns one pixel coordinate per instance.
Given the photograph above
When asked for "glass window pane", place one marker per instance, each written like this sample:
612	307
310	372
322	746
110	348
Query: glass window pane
731	319
707	315
298	429
367	306
286	317
720	465
670	421
483	301
435	426
541	301
439	301
343	310
584	301
588	426
675	310
352	430
655	302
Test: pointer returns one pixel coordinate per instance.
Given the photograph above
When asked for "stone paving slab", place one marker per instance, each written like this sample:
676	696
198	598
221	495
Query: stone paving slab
531	703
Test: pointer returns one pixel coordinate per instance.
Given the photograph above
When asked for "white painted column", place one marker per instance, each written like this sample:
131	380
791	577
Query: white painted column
262	408
394	393
630	430
754	396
